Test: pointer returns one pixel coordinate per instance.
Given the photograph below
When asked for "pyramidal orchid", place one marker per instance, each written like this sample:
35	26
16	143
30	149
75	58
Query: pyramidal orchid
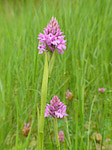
56	108
49	41
52	38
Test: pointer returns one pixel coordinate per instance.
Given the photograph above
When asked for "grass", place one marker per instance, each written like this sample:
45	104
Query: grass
85	66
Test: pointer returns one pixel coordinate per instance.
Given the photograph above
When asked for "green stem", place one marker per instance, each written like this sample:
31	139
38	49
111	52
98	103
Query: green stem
56	134
43	102
90	121
76	127
51	63
17	131
68	135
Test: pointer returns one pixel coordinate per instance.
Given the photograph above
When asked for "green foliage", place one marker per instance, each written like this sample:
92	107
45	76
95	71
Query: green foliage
85	66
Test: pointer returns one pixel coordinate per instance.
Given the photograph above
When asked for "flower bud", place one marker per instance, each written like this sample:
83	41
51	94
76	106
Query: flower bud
69	95
26	129
61	136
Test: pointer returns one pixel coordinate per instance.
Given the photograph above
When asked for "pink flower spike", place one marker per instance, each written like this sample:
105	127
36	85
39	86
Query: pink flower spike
52	38
56	108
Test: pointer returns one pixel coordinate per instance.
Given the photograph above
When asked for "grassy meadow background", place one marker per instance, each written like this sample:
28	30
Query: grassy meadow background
85	66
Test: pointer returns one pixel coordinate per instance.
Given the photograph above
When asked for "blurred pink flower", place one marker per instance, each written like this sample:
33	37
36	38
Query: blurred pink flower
69	95
102	90
26	129
61	136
